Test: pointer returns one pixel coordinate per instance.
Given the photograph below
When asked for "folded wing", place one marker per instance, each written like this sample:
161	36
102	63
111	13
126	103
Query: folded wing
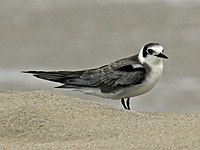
108	78
116	75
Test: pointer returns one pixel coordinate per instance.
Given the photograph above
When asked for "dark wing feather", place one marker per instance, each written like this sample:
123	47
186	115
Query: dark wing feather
108	78
112	77
58	76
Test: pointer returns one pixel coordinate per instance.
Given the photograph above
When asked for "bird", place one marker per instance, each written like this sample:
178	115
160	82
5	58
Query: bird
120	80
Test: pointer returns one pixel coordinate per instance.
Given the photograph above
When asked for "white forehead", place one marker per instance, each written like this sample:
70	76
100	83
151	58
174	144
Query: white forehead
156	48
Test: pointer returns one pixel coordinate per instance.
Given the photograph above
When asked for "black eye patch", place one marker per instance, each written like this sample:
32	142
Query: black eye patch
150	51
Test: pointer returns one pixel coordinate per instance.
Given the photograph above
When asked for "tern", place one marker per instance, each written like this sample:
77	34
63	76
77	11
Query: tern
119	80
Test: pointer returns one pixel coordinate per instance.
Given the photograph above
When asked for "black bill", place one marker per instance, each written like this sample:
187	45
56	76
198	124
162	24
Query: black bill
161	55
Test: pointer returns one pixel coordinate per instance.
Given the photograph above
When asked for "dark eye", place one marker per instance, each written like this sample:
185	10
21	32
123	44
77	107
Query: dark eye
163	51
150	51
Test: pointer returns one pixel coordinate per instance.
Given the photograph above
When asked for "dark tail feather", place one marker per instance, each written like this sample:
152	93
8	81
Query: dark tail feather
65	77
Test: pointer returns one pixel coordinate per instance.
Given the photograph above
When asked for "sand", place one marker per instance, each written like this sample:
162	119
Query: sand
46	120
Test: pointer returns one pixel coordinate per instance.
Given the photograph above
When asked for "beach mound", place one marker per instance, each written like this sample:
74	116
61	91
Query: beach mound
46	120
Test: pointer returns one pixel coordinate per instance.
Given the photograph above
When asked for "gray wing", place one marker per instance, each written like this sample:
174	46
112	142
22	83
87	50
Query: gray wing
108	78
112	77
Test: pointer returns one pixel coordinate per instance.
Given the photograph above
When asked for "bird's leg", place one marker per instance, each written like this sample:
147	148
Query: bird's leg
128	103
123	103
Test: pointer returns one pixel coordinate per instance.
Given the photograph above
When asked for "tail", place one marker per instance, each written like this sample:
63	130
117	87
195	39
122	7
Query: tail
69	79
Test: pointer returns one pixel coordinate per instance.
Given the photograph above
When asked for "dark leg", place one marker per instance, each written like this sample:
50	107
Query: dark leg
128	103
123	103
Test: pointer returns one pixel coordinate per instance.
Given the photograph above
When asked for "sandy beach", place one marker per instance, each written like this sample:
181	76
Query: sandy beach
46	120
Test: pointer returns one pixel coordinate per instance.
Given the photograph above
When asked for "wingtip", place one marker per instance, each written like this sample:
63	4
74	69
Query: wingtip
26	72
31	72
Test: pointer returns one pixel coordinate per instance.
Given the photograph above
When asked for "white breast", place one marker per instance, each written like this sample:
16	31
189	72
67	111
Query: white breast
148	84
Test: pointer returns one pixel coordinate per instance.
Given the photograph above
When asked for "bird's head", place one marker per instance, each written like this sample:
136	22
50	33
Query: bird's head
152	54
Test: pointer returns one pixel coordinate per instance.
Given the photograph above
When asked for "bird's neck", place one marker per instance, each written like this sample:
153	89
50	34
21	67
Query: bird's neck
151	61
140	57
